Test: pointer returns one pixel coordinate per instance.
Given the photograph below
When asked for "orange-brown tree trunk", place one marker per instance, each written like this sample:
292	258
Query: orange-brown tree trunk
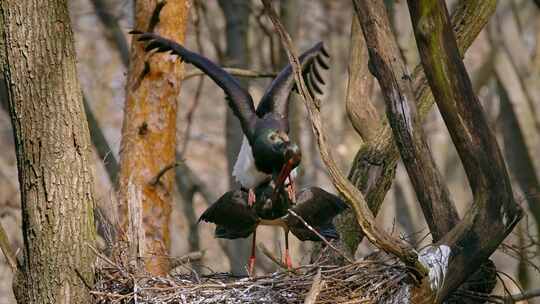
149	137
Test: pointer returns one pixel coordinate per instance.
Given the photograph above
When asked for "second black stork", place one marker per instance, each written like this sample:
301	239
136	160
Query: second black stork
234	218
267	152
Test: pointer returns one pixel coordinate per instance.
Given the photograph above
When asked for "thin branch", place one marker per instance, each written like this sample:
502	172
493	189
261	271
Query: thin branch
526	295
196	100
352	195
494	211
187	258
319	235
274	259
112	29
5	245
164	170
235	72
100	143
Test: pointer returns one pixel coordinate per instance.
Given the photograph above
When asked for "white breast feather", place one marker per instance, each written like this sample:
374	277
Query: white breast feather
244	169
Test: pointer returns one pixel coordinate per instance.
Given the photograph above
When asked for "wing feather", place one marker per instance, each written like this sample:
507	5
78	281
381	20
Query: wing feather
238	98
277	95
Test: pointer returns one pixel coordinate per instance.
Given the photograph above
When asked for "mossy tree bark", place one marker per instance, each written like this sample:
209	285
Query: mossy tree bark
149	136
373	167
389	68
53	152
494	211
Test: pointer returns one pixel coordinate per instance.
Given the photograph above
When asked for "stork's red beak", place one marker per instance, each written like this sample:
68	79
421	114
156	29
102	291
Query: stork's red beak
293	159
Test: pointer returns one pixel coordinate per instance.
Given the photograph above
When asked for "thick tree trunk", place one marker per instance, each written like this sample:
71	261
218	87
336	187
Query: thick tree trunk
149	136
236	13
494	211
53	152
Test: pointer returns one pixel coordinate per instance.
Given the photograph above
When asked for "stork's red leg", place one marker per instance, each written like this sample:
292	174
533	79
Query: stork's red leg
287	257
251	263
251	197
291	190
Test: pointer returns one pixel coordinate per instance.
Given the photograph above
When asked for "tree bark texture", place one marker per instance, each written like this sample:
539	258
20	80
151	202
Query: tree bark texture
149	135
53	152
494	211
360	109
389	68
236	14
373	168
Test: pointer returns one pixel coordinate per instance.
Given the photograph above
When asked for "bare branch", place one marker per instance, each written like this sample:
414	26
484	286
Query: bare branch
319	235
100	143
526	295
361	111
373	168
494	211
112	29
162	172
187	258
235	72
391	72
5	245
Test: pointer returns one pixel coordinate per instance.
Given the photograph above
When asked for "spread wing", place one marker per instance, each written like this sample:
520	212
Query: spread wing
238	98
277	95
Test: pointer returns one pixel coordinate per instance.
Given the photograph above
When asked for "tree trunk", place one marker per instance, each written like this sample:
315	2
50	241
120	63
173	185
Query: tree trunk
236	13
149	136
53	152
373	168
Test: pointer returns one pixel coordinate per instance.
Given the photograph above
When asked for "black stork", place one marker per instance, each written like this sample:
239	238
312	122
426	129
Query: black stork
267	151
234	218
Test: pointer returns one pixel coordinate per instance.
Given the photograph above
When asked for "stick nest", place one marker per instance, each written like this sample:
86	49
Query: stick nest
367	281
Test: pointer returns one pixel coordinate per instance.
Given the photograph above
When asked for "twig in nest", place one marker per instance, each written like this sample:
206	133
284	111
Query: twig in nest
7	250
274	259
155	181
351	194
315	289
319	235
187	258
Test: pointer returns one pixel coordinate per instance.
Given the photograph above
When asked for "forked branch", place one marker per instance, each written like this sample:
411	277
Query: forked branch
494	212
396	85
373	168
